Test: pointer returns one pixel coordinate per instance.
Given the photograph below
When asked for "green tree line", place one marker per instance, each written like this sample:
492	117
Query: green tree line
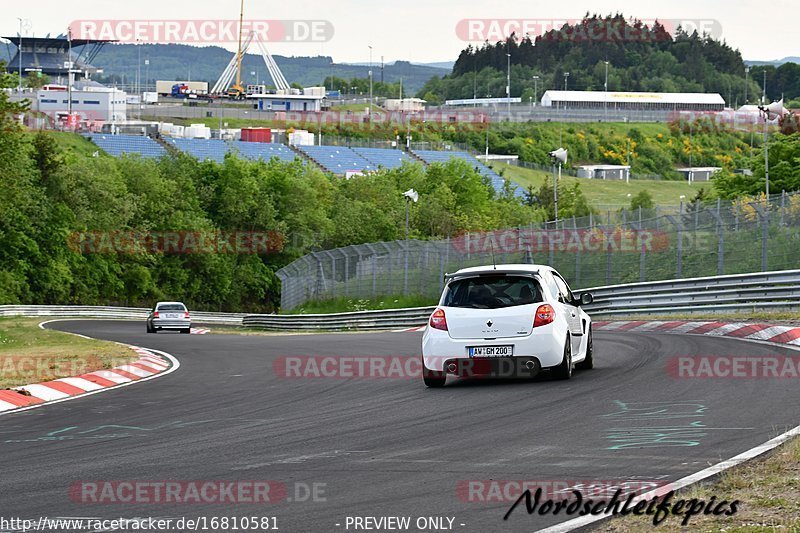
640	57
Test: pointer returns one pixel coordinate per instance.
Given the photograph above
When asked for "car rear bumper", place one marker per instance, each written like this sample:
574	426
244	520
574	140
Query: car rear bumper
545	347
164	323
502	367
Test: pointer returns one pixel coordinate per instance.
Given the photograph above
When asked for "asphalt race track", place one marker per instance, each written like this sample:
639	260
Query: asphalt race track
381	446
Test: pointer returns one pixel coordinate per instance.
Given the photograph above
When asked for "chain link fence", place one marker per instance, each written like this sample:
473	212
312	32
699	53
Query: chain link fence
619	247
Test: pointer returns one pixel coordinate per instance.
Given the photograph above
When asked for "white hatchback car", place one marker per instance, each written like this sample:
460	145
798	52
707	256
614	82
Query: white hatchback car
507	320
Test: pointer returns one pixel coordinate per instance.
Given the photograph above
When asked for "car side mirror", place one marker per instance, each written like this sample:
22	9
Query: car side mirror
586	298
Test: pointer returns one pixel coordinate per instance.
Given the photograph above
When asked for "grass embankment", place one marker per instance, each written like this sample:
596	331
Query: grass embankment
768	490
29	354
345	305
608	192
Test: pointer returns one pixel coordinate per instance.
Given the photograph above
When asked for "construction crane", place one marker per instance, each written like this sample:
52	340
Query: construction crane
236	91
234	66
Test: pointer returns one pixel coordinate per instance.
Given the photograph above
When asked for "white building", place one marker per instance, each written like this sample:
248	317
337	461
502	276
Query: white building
693	174
605	172
92	103
408	105
287	102
483	102
639	101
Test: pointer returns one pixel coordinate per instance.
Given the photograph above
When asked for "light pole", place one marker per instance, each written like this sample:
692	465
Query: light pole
775	108
566	75
370	87
536	88
691	171
411	196
508	85
19	83
559	156
605	96
746	73
487	139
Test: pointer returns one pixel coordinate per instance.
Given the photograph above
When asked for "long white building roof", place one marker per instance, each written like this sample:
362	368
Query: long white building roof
641	97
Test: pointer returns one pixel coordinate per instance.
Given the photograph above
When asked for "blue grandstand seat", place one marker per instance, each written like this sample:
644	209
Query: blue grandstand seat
117	145
383	157
337	159
215	149
438	156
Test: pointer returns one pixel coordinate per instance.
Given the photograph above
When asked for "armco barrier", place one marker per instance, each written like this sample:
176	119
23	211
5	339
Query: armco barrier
391	319
134	313
717	294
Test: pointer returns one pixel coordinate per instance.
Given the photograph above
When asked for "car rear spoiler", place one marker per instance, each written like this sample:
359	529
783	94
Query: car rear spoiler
495	272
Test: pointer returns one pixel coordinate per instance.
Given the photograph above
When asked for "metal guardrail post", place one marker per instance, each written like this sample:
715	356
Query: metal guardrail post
720	239
763	219
679	248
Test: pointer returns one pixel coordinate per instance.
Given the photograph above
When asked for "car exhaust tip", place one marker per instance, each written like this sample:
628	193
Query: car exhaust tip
530	365
452	368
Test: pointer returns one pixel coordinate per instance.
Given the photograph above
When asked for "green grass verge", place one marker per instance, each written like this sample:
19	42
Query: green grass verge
29	354
344	305
767	488
608	192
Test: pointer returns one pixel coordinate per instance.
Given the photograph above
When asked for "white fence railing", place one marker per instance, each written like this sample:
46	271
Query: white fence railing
131	313
716	294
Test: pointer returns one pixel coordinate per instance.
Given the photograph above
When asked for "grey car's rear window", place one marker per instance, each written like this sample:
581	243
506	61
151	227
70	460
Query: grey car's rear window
492	292
171	307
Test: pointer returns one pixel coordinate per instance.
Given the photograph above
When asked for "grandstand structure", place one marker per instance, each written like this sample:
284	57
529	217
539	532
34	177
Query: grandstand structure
215	149
437	156
118	145
337	160
384	157
53	56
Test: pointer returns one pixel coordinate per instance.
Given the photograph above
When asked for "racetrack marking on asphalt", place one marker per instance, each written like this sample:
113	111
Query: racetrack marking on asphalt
175	366
706	473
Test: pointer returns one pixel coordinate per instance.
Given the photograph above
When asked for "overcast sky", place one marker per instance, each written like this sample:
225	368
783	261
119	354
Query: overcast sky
416	30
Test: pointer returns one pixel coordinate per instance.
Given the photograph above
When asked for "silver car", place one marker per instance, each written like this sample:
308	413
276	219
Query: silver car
169	315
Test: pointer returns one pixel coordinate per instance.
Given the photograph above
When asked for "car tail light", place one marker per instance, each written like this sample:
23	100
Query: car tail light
155	314
186	314
438	320
545	314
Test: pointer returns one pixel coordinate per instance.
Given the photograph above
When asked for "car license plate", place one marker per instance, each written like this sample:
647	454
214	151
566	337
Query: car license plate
172	315
491	351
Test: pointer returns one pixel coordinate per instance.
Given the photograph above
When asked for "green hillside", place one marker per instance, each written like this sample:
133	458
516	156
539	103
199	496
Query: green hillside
607	193
182	62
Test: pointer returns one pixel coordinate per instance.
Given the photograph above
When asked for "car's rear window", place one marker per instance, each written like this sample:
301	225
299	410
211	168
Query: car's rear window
171	307
492	292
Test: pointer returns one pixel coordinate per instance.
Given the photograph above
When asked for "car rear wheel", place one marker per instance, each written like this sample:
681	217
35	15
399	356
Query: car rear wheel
588	363
186	331
564	370
150	328
433	378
